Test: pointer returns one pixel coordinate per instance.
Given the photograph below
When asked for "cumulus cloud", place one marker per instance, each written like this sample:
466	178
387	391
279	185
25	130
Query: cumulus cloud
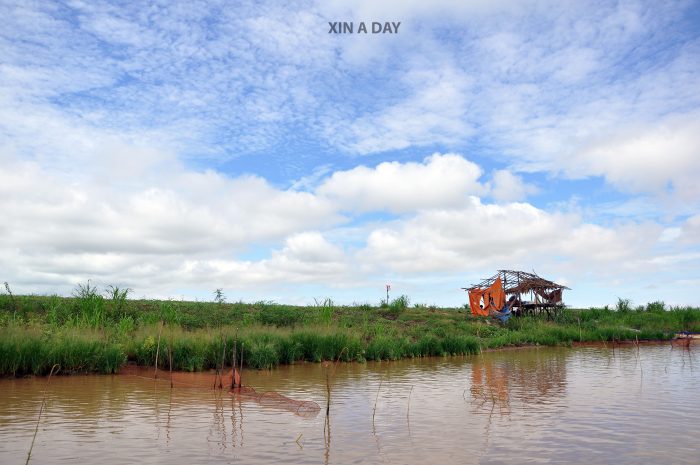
58	229
189	211
193	228
510	187
440	180
305	257
433	241
160	235
664	157
493	236
310	247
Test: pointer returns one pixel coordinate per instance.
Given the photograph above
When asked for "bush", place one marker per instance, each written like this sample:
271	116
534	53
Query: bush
623	305
399	305
656	307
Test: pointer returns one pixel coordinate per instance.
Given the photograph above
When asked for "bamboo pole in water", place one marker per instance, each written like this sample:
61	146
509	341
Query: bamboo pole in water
328	379
328	393
41	410
374	410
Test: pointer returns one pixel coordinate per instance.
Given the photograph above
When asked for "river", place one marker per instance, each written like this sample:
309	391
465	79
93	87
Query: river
585	405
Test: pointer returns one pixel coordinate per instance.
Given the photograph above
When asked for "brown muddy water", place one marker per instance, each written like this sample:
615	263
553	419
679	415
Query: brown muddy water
587	405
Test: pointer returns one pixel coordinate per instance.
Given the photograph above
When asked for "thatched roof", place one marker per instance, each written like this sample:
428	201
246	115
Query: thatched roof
518	282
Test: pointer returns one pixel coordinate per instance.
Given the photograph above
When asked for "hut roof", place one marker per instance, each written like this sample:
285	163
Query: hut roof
518	282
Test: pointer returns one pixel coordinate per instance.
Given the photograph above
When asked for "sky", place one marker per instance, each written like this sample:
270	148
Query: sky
176	148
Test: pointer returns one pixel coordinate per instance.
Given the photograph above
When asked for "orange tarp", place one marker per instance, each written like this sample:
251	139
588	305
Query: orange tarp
494	298
475	301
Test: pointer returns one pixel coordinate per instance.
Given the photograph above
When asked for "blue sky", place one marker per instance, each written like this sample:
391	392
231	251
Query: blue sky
180	147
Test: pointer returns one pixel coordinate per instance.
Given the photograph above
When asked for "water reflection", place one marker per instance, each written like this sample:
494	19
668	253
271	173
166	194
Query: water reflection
558	405
533	377
490	385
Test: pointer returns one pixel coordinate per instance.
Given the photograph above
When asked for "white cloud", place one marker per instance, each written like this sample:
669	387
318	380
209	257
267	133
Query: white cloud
675	259
409	9
439	181
512	236
188	232
304	258
651	158
690	230
310	247
68	229
638	133
670	234
510	187
433	113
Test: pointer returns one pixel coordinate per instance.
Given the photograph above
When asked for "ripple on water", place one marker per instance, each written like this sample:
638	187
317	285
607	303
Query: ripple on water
583	405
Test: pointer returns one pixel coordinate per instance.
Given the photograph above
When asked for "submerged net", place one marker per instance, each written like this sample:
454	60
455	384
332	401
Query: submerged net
180	380
305	408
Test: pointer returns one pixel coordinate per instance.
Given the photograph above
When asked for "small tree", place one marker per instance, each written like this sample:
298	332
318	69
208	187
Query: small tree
219	296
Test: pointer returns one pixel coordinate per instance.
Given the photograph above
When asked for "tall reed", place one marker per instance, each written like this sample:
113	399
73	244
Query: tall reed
88	333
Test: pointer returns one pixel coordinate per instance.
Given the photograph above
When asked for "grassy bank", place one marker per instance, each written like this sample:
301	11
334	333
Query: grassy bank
96	334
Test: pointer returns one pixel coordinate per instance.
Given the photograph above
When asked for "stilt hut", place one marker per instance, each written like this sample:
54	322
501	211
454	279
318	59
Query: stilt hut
515	292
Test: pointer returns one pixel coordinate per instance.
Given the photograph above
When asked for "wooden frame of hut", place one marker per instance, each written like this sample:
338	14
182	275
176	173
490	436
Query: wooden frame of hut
519	292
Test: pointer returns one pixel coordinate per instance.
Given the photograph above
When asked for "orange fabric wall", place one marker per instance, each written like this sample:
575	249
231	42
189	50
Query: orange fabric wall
495	292
474	302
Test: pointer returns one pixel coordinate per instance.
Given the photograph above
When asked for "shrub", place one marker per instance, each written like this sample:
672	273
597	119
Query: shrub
399	305
656	307
263	354
623	305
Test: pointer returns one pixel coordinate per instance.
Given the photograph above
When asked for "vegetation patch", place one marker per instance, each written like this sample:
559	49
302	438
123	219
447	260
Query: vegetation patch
94	332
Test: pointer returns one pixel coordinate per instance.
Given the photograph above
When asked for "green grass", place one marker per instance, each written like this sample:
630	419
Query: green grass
89	333
30	351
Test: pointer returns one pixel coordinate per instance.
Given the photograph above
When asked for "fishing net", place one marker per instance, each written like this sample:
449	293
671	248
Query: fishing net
180	380
304	408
